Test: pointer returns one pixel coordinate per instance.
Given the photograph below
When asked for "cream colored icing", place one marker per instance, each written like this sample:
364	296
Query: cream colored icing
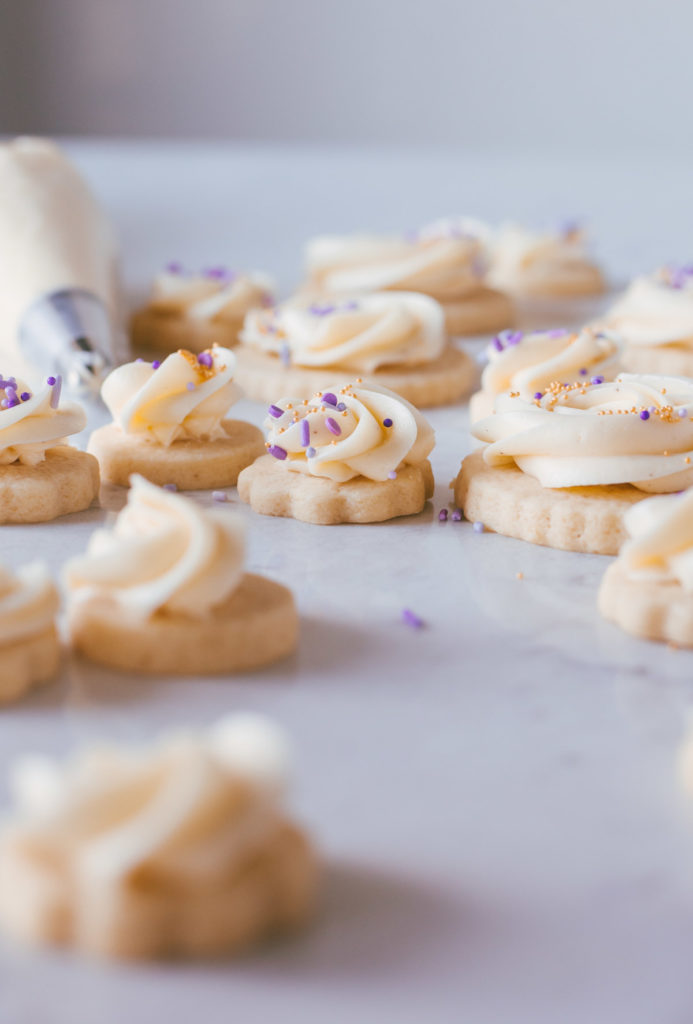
637	429
523	259
31	426
28	603
661	539
358	334
187	396
656	310
217	294
346	433
528	363
164	553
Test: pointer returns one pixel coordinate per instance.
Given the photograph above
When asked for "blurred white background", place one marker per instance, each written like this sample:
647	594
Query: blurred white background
608	74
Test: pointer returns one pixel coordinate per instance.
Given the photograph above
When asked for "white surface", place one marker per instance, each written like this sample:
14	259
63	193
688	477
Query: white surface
496	794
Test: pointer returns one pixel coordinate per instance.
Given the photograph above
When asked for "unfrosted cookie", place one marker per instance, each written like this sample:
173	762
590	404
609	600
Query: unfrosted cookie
170	423
29	645
351	454
164	592
180	850
66	480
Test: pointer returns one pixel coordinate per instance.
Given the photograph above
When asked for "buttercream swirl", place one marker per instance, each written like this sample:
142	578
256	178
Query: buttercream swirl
444	260
527	261
216	294
164	553
637	429
28	603
186	396
656	309
359	334
32	422
528	363
349	431
661	539
189	808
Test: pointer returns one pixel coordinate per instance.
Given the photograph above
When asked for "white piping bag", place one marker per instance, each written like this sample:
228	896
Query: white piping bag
58	270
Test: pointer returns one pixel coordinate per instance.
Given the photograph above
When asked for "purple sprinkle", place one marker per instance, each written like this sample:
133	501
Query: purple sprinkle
170	487
512	337
305	433
443	515
583	371
190	385
219	496
329	398
218	273
538	395
498	344
276	451
317	310
57	388
174	267
156	364
333	426
597	380
341	407
25	396
644	415
285	354
205	359
387	422
352	304
683	413
275	411
51	381
392	475
139	359
410	618
478	526
653	409
556	332
310	452
456	515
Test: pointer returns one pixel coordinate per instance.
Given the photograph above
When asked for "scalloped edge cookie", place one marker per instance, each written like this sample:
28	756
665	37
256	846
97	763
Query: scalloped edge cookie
513	503
483	312
672	360
441	382
651	609
142	917
255	626
273	490
28	663
190	465
152	331
66	481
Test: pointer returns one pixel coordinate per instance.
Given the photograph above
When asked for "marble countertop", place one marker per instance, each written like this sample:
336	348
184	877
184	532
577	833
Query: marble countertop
496	795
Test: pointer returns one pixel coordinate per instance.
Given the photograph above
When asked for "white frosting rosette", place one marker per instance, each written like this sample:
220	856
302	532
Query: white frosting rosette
528	261
359	334
656	309
186	396
637	429
164	553
345	432
28	603
445	260
215	294
32	422
661	544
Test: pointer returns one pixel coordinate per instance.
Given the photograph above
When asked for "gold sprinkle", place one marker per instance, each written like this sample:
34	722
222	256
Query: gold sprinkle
519	575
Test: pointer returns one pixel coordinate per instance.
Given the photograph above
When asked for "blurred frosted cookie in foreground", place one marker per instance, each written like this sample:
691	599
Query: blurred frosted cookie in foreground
648	590
562	470
179	849
195	310
29	644
445	260
352	454
655	319
526	364
41	475
171	425
396	340
164	591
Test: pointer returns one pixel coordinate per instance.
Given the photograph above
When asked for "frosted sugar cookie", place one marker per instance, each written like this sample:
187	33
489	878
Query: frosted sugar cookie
563	470
41	476
197	310
648	590
396	340
526	364
179	849
29	645
352	454
655	319
550	264
164	591
446	260
170	423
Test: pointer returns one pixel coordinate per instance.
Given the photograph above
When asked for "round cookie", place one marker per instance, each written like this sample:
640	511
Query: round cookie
440	382
189	464
483	312
257	624
66	481
653	609
513	503
154	330
28	663
272	490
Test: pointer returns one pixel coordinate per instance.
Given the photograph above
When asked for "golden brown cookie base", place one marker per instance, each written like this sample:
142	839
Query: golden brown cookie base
157	332
647	608
145	916
513	503
66	481
484	312
28	663
672	360
271	489
255	626
587	283
440	382
190	465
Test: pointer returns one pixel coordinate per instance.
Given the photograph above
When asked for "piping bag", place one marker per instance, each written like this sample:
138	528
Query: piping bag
58	270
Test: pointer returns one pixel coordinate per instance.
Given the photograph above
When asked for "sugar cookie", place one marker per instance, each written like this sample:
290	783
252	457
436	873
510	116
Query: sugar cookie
29	645
550	264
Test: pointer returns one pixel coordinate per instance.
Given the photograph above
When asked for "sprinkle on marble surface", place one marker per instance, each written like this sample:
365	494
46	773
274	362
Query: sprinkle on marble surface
443	515
219	496
478	526
170	487
411	619
456	515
